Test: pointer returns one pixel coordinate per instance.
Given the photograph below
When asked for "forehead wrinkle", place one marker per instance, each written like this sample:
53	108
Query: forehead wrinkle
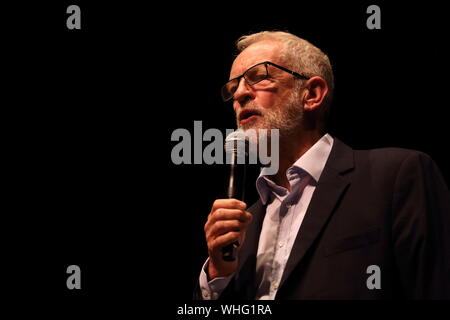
267	50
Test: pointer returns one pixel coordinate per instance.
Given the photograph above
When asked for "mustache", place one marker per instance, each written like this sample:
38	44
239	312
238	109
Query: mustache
252	107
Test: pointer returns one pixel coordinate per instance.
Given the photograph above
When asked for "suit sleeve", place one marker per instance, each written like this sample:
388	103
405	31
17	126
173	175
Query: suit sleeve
421	229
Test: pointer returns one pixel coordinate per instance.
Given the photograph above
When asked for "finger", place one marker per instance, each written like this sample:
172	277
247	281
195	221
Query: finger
225	240
229	214
225	214
228	204
225	226
248	217
222	227
244	217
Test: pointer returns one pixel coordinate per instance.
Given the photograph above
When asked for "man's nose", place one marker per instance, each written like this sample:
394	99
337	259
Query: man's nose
244	92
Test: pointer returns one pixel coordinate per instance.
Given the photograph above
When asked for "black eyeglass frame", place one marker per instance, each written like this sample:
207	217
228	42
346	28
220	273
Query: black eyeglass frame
295	74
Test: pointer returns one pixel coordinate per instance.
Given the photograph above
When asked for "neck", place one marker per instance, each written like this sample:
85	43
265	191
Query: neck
291	149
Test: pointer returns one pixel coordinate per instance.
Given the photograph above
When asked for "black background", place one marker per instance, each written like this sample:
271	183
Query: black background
89	115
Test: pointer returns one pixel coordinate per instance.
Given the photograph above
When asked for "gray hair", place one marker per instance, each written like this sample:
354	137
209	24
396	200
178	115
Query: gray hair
299	55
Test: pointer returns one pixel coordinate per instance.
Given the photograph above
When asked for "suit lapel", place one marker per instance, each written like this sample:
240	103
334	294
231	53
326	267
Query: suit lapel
330	188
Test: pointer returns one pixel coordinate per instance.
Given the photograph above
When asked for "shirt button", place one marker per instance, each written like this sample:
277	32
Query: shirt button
275	286
215	295
280	244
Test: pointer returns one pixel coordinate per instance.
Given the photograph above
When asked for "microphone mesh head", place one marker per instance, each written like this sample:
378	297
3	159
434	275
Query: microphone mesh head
237	142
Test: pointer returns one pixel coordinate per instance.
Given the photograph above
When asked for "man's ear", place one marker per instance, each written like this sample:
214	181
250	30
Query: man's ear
316	90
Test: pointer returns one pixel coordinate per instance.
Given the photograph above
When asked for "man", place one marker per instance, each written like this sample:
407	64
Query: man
333	223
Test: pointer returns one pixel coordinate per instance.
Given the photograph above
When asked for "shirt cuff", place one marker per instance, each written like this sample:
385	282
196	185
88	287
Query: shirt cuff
211	290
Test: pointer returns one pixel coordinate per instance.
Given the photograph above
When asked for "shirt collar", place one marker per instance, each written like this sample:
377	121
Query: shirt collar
312	162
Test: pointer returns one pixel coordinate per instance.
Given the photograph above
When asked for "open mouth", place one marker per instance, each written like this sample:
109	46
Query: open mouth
247	115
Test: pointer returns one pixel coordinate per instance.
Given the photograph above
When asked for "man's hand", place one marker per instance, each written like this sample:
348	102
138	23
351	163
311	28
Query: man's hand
226	224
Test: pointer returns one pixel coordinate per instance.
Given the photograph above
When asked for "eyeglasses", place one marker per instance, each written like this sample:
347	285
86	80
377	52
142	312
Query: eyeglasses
252	76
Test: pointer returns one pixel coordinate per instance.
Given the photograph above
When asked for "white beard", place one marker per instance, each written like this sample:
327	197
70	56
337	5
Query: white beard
287	117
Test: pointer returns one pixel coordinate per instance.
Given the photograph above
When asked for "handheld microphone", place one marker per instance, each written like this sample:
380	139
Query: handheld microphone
236	149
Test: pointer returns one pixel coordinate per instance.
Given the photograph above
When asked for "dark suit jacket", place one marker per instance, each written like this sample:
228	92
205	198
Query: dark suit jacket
385	207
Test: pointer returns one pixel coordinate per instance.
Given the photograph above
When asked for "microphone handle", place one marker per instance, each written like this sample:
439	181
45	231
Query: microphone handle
229	252
236	189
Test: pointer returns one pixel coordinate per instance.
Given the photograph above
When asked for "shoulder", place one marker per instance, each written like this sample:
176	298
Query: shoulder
391	154
379	157
386	165
399	166
392	158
